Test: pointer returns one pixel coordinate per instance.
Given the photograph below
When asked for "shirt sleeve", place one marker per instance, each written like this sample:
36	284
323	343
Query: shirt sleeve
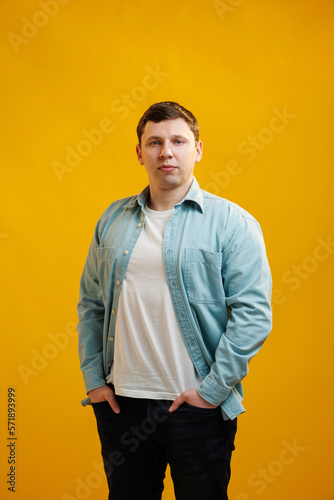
91	313
247	285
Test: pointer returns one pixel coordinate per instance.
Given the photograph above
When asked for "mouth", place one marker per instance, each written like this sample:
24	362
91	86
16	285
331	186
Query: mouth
167	168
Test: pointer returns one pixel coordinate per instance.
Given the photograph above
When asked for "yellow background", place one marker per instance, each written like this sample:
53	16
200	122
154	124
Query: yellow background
234	64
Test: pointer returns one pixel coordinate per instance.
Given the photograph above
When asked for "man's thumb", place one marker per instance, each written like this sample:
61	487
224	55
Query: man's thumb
113	403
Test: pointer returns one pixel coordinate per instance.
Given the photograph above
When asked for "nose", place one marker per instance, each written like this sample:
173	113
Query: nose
166	151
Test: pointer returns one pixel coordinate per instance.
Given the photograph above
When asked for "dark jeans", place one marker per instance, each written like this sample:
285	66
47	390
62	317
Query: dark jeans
138	443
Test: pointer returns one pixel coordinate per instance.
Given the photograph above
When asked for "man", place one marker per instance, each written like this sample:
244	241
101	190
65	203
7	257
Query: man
174	302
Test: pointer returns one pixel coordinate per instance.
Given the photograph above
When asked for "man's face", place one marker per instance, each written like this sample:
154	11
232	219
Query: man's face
169	153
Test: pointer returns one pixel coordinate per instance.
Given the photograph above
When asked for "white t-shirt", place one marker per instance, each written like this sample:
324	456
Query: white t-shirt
151	359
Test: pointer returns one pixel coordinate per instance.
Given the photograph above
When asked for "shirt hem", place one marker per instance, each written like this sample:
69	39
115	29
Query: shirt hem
143	394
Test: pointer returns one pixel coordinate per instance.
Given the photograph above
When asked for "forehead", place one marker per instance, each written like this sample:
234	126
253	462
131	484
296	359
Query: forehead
167	128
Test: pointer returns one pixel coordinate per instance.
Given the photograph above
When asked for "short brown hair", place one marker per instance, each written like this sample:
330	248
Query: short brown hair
167	110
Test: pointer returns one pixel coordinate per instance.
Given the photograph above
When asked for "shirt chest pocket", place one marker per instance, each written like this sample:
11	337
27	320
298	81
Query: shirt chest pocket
202	276
104	255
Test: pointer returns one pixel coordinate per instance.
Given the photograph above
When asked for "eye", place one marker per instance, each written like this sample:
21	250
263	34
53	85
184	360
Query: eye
178	141
154	143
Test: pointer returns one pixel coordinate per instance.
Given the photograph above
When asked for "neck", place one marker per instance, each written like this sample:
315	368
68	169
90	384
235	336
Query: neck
165	199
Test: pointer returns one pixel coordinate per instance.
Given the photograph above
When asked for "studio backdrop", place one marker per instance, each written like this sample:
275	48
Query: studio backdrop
76	77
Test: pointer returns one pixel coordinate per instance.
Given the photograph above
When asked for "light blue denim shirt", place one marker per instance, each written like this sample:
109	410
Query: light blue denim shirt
219	280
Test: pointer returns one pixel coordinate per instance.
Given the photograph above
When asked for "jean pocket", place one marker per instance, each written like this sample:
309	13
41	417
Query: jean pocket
101	404
200	409
102	408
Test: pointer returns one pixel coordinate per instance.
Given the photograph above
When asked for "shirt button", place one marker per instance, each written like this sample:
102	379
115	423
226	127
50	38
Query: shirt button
113	311
140	224
126	252
111	338
118	282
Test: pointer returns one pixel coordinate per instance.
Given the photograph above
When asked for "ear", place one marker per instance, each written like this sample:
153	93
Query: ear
139	155
199	151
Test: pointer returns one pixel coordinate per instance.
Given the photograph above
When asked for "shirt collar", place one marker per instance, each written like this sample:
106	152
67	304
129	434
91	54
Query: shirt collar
194	194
